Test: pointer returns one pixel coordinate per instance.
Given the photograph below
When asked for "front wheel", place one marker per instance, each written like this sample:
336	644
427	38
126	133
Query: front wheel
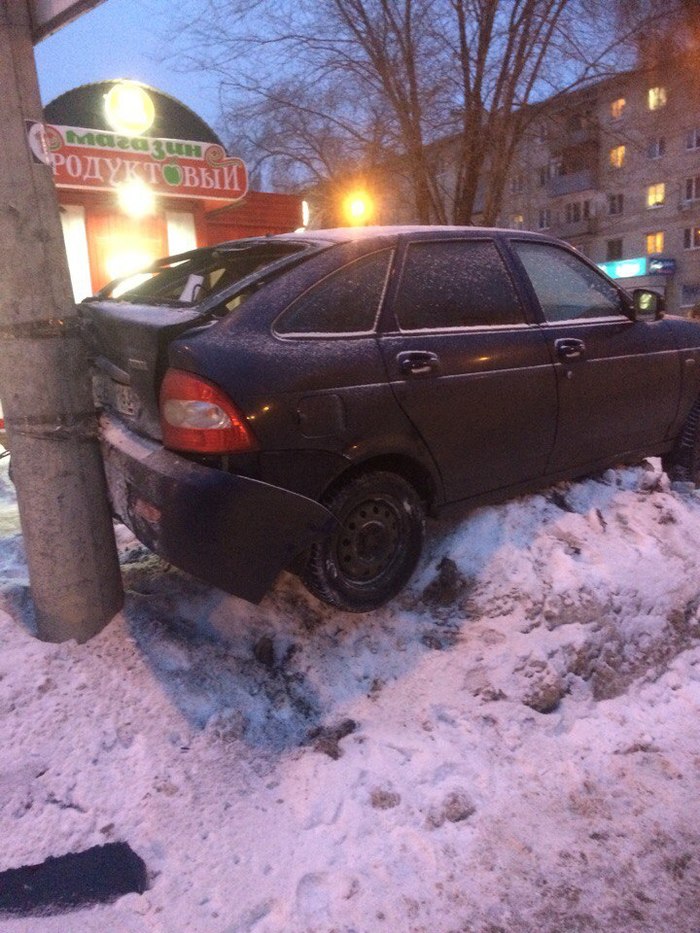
683	462
372	553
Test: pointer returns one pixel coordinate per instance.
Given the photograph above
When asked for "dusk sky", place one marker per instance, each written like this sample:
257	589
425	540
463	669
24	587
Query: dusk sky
119	39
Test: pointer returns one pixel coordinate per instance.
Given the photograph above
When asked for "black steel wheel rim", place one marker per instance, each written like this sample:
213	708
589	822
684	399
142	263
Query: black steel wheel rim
369	540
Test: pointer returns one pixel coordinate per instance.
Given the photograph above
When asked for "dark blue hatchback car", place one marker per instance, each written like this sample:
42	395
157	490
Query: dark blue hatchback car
302	401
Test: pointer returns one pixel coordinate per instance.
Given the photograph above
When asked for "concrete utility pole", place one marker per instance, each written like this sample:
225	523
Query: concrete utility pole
44	383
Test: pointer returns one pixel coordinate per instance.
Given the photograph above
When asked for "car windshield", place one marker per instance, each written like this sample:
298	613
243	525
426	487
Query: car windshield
191	278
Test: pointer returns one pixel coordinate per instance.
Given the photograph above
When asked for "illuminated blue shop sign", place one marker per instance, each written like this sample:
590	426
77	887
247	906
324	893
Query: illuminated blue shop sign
662	266
625	268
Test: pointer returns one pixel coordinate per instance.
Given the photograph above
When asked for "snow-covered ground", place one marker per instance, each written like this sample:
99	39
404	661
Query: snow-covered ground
512	745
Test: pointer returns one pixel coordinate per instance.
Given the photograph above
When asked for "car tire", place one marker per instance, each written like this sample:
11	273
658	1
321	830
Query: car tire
372	553
683	462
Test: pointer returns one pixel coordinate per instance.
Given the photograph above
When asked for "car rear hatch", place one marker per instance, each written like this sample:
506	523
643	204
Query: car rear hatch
130	323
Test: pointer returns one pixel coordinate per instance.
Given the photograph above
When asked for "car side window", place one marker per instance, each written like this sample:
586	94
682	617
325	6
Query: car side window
456	283
566	287
345	302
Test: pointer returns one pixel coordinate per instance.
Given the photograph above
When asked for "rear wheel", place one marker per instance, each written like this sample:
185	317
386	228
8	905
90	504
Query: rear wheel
374	550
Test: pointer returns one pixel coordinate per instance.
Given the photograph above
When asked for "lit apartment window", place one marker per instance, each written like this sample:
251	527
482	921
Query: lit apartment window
655	242
657	98
657	148
617	108
692	189
656	195
692	139
518	221
691	238
616	203
613	250
544	221
617	157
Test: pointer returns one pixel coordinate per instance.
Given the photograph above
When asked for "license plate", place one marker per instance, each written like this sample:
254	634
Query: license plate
125	399
110	394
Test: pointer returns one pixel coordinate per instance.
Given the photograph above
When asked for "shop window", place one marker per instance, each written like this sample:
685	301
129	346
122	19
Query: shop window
617	157
656	98
613	250
691	238
692	188
182	236
690	296
617	108
656	195
655	242
75	239
657	148
616	203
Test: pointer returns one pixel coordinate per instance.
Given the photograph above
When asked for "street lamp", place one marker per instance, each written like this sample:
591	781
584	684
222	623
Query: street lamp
358	208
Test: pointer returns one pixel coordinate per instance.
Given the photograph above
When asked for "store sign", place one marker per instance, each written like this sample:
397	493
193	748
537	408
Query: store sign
661	266
100	160
625	268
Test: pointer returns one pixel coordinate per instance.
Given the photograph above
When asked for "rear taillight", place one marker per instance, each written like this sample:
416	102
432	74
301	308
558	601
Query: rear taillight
198	417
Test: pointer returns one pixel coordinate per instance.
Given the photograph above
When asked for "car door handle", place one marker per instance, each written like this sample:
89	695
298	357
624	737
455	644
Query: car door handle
569	348
417	362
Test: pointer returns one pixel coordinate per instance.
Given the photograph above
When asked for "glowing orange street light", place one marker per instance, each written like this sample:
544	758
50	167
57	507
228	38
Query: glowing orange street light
358	207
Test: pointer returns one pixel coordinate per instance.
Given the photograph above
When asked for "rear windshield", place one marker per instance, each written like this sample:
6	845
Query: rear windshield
191	278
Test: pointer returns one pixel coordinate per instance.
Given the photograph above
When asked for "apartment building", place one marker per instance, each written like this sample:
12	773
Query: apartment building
615	170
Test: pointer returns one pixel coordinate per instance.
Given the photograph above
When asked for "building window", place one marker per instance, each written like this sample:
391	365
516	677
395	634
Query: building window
692	188
691	238
575	211
692	139
656	195
544	221
516	184
655	242
657	148
657	98
615	203
543	176
617	157
690	296
617	108
518	221
613	250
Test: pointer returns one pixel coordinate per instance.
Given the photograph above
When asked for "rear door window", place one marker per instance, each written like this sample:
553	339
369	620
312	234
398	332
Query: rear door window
456	284
345	302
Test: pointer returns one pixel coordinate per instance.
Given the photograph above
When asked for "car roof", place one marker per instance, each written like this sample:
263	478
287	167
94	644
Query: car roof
349	234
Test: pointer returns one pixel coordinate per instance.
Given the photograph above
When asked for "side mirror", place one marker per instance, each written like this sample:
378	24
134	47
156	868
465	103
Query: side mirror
648	305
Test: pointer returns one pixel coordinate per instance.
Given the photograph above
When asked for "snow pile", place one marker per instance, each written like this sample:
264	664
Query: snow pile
513	744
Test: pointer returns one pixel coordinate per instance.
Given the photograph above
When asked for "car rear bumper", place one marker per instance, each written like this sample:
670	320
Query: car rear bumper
230	531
